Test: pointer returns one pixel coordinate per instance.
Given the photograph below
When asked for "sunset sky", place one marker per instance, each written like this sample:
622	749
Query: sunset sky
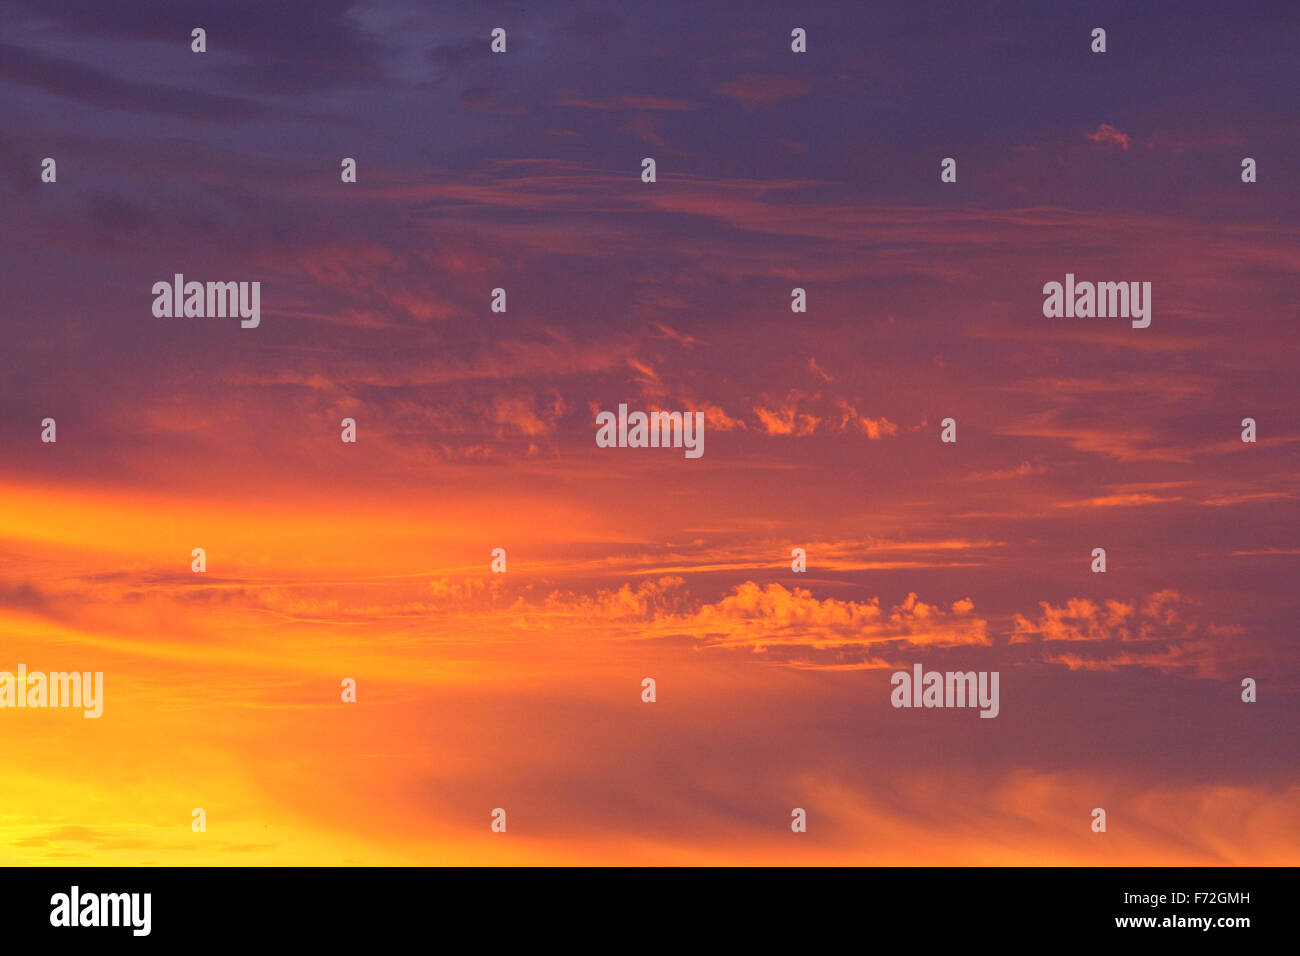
476	429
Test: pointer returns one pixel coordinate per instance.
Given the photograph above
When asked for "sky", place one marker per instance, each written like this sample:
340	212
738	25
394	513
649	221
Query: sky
522	690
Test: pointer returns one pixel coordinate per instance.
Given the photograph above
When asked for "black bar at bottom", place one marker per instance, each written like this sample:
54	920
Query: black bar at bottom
634	907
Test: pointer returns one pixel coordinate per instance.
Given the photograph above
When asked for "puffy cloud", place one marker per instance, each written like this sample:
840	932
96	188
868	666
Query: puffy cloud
1161	631
786	420
762	616
1109	136
873	428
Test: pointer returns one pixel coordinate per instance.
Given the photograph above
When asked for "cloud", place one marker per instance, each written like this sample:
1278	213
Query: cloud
1022	470
764	89
873	428
626	101
84	84
452	57
820	372
683	338
793	415
276	50
786	420
714	416
1163	632
485	99
1108	136
1131	499
791	626
1131	443
1180	141
518	414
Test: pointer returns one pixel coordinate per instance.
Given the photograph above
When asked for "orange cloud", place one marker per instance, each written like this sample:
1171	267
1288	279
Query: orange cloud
759	617
786	420
1160	632
1107	135
874	428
